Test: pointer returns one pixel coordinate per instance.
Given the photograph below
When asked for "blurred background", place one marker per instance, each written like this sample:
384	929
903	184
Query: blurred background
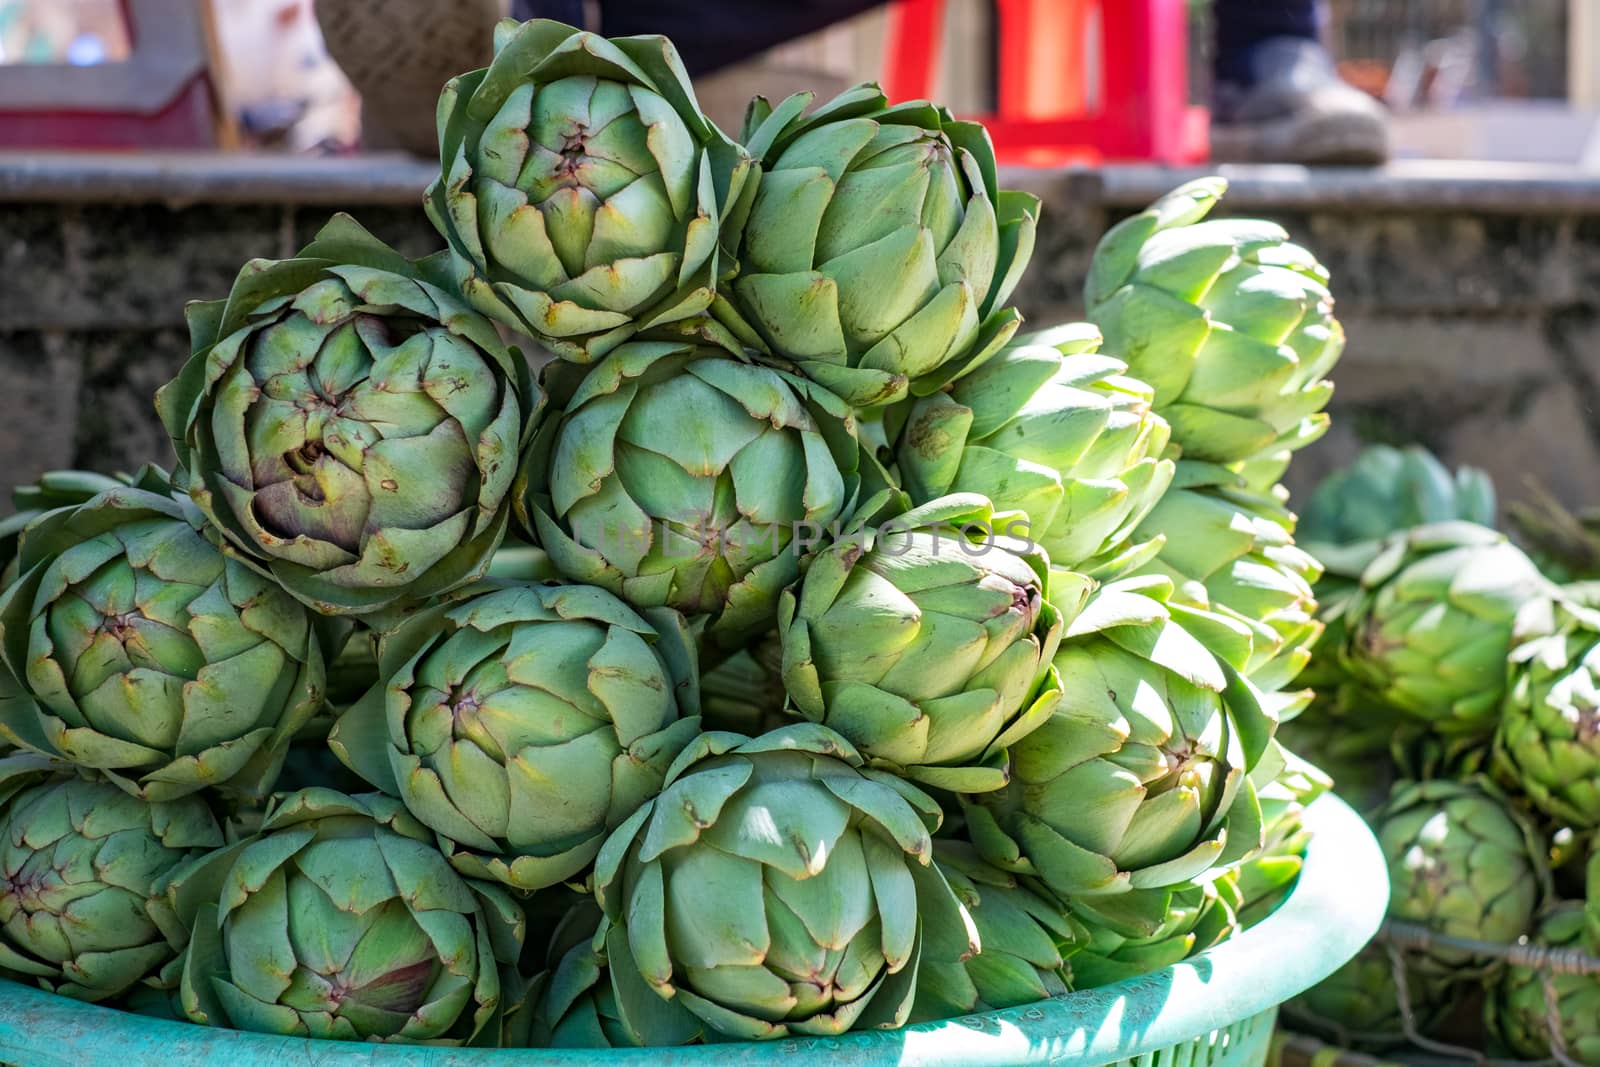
1463	79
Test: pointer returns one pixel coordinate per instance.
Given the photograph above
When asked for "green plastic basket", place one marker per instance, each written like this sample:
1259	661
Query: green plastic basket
1216	1010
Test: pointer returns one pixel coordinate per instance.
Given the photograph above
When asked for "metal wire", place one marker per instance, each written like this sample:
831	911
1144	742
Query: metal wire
1401	938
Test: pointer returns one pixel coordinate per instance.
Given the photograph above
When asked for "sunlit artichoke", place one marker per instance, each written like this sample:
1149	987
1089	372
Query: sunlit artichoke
341	920
1138	780
681	476
879	251
1431	627
1229	321
583	194
1549	735
1025	940
523	722
349	423
1464	863
83	875
776	888
1518	1013
135	646
1052	429
926	640
1231	551
1137	933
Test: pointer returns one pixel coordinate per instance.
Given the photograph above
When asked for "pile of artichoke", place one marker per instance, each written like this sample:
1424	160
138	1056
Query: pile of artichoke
687	608
1458	706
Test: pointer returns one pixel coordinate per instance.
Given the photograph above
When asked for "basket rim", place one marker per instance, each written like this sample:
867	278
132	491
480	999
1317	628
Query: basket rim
1334	909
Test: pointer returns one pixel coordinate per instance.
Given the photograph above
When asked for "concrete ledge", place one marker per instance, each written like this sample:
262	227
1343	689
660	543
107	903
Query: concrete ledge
180	179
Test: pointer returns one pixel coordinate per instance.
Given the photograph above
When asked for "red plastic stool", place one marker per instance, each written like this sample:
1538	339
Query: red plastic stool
1078	79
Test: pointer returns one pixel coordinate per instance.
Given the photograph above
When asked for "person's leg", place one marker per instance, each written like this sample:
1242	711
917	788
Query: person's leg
1278	97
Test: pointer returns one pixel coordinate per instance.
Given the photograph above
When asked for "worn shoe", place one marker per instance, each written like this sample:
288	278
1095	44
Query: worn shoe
1296	110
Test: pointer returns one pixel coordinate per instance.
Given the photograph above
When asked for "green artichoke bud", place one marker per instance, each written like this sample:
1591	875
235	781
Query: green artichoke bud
1231	552
341	920
591	994
583	194
709	514
1024	942
1462	862
777	888
1430	630
1285	785
55	489
1055	431
83	873
1517	1012
1139	778
879	250
135	646
744	693
1230	322
346	421
1360	1002
1385	490
1136	933
1549	734
522	723
926	641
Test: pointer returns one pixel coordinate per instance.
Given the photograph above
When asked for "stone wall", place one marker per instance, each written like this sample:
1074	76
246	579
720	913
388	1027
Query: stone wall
1472	300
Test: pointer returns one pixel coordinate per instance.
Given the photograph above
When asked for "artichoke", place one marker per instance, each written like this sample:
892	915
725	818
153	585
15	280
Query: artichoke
1138	780
591	994
926	641
133	645
777	888
83	872
1134	934
710	514
340	920
1549	733
1463	863
1230	323
1055	431
1360	1002
1025	940
348	423
582	193
1518	1014
54	489
1385	490
1431	627
879	250
522	723
1231	551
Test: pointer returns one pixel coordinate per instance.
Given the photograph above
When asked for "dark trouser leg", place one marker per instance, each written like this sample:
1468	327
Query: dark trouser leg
1243	24
711	34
